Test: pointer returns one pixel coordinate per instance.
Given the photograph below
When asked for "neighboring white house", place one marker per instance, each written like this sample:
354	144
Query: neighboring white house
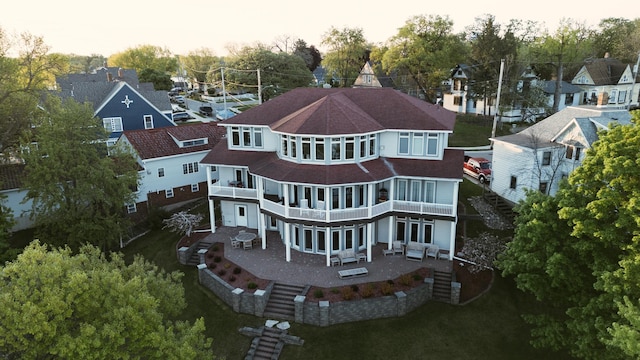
538	157
10	186
169	159
460	96
337	169
607	82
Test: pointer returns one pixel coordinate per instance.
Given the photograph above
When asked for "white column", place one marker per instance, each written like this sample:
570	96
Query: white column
212	209
370	240
287	241
452	240
262	229
326	246
391	238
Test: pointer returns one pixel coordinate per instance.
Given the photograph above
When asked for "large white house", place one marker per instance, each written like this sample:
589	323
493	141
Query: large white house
169	160
538	157
608	82
336	169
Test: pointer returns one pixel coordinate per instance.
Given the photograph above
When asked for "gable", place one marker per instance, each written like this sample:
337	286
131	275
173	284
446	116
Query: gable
131	107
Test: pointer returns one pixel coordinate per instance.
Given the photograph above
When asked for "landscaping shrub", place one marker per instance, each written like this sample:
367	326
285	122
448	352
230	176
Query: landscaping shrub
318	294
237	270
217	259
405	280
347	293
222	272
335	291
252	285
417	277
386	288
354	288
227	265
232	278
215	248
368	291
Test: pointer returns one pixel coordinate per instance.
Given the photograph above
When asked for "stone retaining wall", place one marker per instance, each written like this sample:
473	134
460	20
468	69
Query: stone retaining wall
321	313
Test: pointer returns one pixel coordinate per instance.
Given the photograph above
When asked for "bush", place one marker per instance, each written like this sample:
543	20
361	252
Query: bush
215	248
406	280
335	291
347	293
354	288
417	277
252	285
232	278
368	291
237	270
227	265
318	294
386	288
156	218
222	272
217	259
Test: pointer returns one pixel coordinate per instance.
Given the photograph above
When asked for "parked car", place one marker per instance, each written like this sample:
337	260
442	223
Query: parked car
477	167
179	99
206	110
182	116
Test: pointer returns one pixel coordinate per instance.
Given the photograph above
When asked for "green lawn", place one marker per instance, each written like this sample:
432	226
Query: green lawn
473	130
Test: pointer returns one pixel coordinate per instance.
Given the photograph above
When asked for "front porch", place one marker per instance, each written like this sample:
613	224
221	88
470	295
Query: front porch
310	269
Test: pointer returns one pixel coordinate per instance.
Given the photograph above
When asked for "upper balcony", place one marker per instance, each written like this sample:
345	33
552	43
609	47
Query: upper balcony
236	191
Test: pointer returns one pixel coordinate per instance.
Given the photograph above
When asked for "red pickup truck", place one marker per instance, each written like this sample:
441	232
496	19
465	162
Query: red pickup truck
477	167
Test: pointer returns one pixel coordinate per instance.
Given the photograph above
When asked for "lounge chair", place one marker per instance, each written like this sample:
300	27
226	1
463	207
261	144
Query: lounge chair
398	247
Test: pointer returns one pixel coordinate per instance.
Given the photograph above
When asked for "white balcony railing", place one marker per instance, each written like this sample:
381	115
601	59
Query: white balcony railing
232	191
364	212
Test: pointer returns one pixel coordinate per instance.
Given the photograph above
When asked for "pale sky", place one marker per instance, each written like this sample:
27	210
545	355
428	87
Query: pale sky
106	27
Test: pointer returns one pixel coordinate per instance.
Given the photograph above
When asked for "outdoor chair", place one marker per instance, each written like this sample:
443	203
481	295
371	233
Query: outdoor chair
433	250
235	244
247	245
398	247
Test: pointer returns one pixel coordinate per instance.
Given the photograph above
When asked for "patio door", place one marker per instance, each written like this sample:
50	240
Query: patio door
241	215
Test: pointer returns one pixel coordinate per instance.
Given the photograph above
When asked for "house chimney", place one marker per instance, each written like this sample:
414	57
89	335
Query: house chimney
109	76
120	73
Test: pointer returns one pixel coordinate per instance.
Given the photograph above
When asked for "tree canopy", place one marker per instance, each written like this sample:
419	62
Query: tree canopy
22	79
279	72
425	49
578	253
145	57
347	53
57	304
78	191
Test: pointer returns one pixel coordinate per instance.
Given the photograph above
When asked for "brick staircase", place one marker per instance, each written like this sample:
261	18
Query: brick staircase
194	259
442	286
280	305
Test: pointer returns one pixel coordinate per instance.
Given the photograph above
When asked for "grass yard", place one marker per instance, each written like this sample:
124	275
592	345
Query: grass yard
473	130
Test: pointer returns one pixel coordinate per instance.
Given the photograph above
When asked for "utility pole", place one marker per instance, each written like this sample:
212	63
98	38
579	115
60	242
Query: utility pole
634	72
495	116
224	93
259	89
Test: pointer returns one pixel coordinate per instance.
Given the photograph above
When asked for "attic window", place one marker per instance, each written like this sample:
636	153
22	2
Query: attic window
196	142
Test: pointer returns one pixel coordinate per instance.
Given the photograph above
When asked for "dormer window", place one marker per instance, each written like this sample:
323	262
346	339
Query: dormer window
196	142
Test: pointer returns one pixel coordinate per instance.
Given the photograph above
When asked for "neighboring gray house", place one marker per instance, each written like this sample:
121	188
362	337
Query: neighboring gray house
538	157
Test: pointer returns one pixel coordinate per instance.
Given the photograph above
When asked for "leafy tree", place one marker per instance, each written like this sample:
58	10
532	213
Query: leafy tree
425	49
6	223
309	54
578	252
346	55
22	79
56	304
570	44
160	80
85	64
78	192
618	37
146	57
198	63
279	72
489	45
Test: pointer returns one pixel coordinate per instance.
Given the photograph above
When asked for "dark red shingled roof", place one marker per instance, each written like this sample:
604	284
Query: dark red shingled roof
161	142
335	111
268	164
11	176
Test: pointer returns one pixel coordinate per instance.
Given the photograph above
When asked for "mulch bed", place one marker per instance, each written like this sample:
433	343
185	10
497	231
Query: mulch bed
230	272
